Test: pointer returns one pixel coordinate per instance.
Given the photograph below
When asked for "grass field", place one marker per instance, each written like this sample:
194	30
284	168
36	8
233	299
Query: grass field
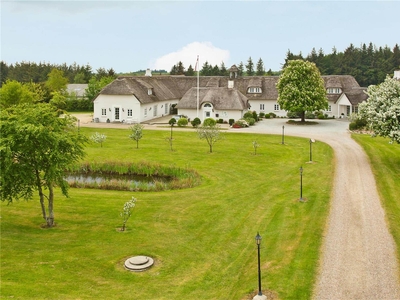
385	163
202	239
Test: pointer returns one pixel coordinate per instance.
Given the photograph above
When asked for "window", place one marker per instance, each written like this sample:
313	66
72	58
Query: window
329	108
207	105
166	109
129	112
150	92
208	114
155	111
333	90
254	90
145	112
262	107
104	111
276	106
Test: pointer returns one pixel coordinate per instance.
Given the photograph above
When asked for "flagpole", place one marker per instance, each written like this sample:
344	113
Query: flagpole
198	80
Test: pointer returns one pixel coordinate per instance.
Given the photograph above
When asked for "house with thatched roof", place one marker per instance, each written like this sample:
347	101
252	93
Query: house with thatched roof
143	98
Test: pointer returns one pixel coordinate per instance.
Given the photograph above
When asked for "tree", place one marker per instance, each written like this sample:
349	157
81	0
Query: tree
260	68
301	88
250	67
240	69
180	69
13	93
382	109
36	147
211	133
127	212
98	138
190	71
95	86
56	81
137	133
171	122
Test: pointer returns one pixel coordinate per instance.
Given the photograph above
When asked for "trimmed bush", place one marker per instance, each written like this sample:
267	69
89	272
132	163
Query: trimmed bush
196	122
261	115
182	122
209	122
231	122
220	121
267	116
250	121
272	115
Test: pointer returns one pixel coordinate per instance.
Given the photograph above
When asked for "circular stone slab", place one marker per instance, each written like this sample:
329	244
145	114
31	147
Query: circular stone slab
138	263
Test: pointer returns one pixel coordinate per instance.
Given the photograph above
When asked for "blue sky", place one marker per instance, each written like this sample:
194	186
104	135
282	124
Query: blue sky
132	35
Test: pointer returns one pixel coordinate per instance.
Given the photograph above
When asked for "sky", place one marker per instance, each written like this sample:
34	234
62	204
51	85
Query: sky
135	35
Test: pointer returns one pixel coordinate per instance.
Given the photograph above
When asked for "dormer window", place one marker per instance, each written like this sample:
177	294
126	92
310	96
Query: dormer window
149	91
334	90
254	90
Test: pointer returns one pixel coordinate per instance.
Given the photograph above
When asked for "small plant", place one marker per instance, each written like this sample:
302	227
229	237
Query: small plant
261	115
127	212
231	121
137	133
98	138
255	146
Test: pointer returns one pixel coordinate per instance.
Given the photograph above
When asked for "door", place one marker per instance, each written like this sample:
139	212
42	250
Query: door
116	114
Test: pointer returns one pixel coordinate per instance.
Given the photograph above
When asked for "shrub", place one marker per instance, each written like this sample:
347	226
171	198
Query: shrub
240	124
209	122
220	121
309	115
261	115
272	115
255	116
231	122
321	116
196	122
182	122
248	114
250	121
293	114
267	116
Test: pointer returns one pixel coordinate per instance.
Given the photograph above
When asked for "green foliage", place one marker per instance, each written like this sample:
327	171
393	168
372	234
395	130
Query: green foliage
95	85
195	122
73	105
267	116
260	68
251	121
261	115
301	88
231	121
56	81
172	121
136	133
182	122
209	122
250	67
272	115
36	147
13	93
293	114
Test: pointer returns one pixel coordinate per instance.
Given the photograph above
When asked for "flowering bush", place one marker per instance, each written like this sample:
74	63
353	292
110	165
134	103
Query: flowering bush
98	138
127	212
240	124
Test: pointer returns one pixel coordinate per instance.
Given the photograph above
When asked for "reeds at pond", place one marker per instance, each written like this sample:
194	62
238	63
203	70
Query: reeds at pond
175	177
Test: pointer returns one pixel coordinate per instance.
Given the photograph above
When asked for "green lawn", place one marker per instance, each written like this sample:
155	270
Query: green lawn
385	163
202	239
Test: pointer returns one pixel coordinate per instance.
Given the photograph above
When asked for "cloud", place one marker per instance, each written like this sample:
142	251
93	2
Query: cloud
188	55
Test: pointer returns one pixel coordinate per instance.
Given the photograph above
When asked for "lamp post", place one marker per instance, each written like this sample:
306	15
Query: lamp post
311	142
259	295
283	134
301	183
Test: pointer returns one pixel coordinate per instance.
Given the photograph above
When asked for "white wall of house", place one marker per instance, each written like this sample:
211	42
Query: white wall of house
267	106
128	109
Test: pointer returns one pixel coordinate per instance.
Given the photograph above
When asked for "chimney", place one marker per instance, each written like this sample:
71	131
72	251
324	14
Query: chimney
396	74
148	73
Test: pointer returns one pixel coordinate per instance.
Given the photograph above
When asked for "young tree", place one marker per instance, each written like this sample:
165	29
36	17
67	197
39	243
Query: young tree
137	133
240	69
211	133
250	67
98	138
171	122
260	68
190	71
127	212
56	81
301	88
36	147
382	109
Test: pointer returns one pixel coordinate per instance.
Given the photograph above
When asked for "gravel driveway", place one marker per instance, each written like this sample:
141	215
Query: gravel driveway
358	254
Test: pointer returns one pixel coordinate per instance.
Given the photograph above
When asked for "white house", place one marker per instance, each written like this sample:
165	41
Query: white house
142	98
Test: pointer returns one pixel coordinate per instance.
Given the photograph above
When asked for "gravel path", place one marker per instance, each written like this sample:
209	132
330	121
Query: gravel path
358	255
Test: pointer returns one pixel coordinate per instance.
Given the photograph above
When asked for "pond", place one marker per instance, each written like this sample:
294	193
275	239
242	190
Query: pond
116	181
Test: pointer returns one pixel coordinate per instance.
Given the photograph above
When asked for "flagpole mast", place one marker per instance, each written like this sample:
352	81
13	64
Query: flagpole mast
198	80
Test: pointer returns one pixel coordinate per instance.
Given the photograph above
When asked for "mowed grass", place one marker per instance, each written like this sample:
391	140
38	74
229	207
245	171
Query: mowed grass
202	239
385	163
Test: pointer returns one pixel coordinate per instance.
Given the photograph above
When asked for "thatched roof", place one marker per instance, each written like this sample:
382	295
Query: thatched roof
357	95
222	98
181	87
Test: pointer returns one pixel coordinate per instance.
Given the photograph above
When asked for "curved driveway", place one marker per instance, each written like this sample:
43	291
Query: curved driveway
358	255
